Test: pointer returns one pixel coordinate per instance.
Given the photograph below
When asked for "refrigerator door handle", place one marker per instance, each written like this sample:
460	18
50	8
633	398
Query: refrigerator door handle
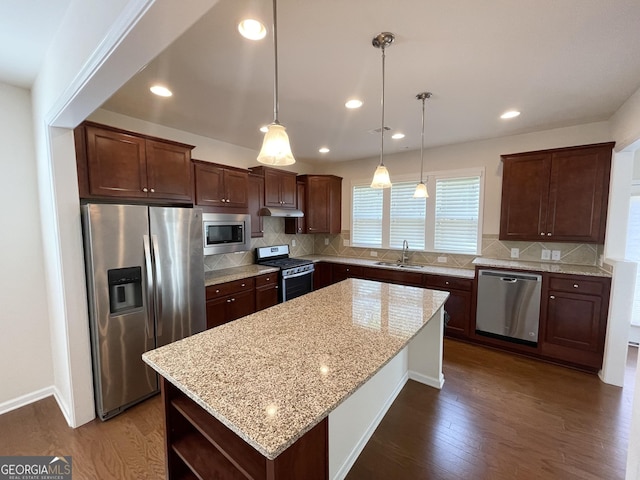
149	286
158	283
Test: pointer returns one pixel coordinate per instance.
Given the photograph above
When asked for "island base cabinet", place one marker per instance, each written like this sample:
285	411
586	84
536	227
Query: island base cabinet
200	446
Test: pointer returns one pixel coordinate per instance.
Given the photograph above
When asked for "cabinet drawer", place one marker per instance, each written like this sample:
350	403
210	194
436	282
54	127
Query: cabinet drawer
228	288
268	279
576	285
446	282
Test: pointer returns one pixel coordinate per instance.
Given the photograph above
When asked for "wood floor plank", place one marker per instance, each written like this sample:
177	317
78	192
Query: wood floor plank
499	416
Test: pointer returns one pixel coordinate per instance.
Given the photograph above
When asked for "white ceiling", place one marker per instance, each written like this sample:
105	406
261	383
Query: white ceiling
560	62
26	28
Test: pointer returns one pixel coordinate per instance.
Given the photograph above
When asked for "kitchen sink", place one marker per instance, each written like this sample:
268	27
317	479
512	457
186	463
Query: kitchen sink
401	265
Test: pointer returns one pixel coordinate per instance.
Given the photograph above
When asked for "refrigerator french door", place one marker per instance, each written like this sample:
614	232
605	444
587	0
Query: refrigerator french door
145	285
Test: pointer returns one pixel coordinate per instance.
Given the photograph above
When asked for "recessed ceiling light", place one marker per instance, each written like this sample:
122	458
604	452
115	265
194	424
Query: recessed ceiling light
397	136
510	114
252	29
353	103
324	150
264	129
161	91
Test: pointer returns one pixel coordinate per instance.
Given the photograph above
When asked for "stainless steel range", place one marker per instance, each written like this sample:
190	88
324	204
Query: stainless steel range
296	274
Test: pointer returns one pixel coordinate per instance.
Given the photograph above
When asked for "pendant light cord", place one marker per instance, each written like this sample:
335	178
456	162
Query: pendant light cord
275	74
422	143
382	129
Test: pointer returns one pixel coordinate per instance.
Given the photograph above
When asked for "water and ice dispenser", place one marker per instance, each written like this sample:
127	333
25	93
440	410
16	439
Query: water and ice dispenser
125	289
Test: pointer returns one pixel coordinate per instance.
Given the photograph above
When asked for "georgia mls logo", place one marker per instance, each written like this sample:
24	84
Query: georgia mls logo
35	468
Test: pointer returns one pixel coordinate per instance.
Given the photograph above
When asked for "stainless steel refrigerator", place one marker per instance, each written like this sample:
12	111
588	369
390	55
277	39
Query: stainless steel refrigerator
145	283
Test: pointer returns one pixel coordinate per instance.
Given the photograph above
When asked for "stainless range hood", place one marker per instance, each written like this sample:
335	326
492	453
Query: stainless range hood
280	212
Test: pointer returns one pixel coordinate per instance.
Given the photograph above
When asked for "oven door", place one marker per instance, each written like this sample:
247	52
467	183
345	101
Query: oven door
296	285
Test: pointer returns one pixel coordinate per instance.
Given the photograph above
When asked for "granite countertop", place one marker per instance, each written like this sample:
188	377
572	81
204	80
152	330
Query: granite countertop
214	277
273	375
543	267
435	269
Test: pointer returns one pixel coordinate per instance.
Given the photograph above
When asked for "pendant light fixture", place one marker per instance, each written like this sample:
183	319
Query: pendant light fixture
275	146
381	176
421	188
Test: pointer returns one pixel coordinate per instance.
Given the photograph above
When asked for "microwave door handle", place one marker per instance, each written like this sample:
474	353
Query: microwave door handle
158	284
149	285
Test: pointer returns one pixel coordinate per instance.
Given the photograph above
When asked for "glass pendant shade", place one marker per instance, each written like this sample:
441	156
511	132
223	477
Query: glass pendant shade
421	191
275	147
381	178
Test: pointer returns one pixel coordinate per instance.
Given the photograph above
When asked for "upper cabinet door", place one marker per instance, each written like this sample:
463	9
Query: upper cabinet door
525	190
236	185
558	195
209	182
578	193
116	164
168	171
288	190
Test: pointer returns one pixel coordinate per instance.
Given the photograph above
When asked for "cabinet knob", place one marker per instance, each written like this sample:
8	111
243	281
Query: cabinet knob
242	285
446	283
228	300
277	287
217	291
542	233
575	285
233	299
348	270
552	297
268	279
549	234
145	189
153	190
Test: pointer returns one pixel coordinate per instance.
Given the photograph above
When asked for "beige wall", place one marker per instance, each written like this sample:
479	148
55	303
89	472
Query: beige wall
484	153
25	348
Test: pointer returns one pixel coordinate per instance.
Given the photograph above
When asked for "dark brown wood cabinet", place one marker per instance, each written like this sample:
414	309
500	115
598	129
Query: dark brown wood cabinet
267	290
340	271
256	202
230	301
393	276
573	319
323	203
556	195
114	163
458	305
296	225
221	187
279	187
322	275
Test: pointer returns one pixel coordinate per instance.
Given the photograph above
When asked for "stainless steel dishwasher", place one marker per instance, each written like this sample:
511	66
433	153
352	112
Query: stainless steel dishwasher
508	305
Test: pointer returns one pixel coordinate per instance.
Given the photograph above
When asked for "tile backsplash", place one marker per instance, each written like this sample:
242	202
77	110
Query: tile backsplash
492	247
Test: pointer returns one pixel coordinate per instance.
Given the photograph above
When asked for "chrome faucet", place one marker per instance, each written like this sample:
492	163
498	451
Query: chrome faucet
405	252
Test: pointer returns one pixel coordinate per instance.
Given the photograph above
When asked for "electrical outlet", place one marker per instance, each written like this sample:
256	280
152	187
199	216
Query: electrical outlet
515	253
373	253
555	255
346	242
546	255
326	241
442	259
293	242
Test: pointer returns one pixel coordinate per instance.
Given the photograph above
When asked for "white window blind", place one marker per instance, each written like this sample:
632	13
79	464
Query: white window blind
367	216
456	218
408	217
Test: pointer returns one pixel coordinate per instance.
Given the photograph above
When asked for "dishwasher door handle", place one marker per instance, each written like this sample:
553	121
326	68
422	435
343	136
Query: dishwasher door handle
509	280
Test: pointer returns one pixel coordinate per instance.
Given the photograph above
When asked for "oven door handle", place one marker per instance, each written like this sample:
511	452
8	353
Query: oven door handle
306	272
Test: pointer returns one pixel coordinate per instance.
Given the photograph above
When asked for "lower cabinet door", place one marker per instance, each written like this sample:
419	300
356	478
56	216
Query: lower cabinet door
266	297
240	305
458	308
573	328
216	312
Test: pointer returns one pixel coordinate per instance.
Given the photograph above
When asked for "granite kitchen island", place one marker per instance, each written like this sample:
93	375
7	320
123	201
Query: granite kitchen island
296	390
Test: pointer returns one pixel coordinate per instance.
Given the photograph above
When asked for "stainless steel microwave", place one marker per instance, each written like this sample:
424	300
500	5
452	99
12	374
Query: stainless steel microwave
225	233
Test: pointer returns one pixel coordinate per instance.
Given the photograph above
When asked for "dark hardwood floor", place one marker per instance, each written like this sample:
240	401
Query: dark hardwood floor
498	416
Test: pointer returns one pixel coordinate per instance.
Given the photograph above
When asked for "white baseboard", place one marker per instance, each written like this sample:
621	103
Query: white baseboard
429	381
27	399
63	407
